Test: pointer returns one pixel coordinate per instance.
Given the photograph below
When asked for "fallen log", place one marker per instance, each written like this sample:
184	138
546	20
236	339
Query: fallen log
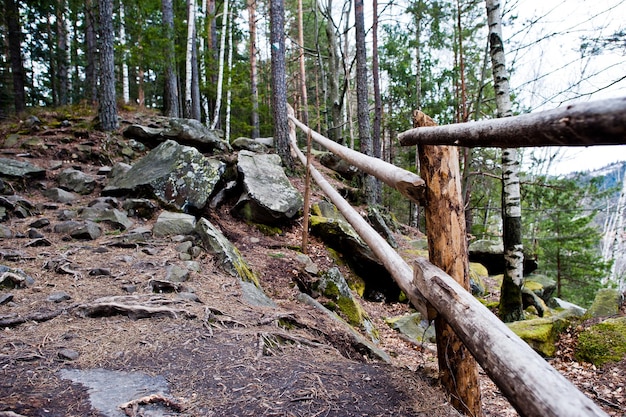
407	183
530	384
581	124
397	267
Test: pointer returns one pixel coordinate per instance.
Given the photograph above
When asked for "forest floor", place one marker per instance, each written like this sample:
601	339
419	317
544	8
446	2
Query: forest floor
217	357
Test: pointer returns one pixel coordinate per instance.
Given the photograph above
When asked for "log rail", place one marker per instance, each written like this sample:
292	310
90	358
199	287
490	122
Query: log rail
532	386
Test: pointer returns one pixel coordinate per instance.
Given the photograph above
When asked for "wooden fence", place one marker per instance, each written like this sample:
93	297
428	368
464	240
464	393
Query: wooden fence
530	384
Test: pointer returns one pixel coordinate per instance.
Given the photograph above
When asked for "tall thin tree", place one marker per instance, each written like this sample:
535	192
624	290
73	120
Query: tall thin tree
91	66
12	17
171	99
254	81
511	308
107	110
191	31
279	85
220	74
371	186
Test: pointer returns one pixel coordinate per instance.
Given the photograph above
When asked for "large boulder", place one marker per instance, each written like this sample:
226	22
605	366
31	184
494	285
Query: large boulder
229	259
184	131
542	333
268	196
491	255
330	225
14	168
603	342
606	303
179	176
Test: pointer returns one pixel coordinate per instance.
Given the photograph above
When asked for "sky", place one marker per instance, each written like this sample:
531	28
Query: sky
553	71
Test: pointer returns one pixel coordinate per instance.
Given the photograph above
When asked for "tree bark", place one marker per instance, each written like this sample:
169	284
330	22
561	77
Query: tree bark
220	73
108	107
91	66
532	386
171	99
191	31
447	249
279	86
15	51
125	77
601	122
371	186
378	105
254	92
62	55
511	307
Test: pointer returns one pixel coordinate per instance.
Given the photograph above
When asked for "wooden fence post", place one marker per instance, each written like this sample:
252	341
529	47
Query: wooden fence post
447	249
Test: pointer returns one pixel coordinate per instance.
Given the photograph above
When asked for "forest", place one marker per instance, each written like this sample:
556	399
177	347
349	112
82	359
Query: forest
354	73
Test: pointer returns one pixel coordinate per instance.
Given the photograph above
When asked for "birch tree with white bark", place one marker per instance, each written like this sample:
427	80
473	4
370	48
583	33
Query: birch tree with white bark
511	308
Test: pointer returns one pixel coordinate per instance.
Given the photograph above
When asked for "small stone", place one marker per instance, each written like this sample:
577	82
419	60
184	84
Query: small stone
195	251
58	297
184	247
129	288
189	296
99	272
39	223
34	234
68	354
176	274
38	243
184	257
5	298
149	251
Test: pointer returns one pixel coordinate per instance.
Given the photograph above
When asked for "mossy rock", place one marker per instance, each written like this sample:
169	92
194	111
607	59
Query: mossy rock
606	303
540	334
603	342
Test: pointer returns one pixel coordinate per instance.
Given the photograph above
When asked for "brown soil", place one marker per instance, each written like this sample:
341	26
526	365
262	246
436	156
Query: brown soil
229	358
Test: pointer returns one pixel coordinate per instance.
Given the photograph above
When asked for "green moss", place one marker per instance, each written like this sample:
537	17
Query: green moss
331	290
268	230
540	334
533	286
357	285
478	269
243	270
351	310
603	343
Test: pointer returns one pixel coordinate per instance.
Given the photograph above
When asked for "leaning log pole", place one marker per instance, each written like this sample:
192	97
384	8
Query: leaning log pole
600	122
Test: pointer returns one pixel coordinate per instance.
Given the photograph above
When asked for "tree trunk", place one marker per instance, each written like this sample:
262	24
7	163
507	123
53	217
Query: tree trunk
511	308
191	30
125	77
229	87
254	92
196	106
378	105
91	66
279	86
107	110
447	249
61	55
15	51
220	74
303	92
171	99
371	186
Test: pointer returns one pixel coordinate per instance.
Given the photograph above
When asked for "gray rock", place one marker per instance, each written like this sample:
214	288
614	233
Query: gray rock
98	272
140	207
113	217
58	297
77	181
39	223
38	242
170	223
188	296
179	176
184	131
119	168
6	298
5	232
184	247
491	254
60	196
88	231
606	303
66	227
337	164
575	310
14	277
133	238
268	195
68	354
249	145
20	169
175	273
413	327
